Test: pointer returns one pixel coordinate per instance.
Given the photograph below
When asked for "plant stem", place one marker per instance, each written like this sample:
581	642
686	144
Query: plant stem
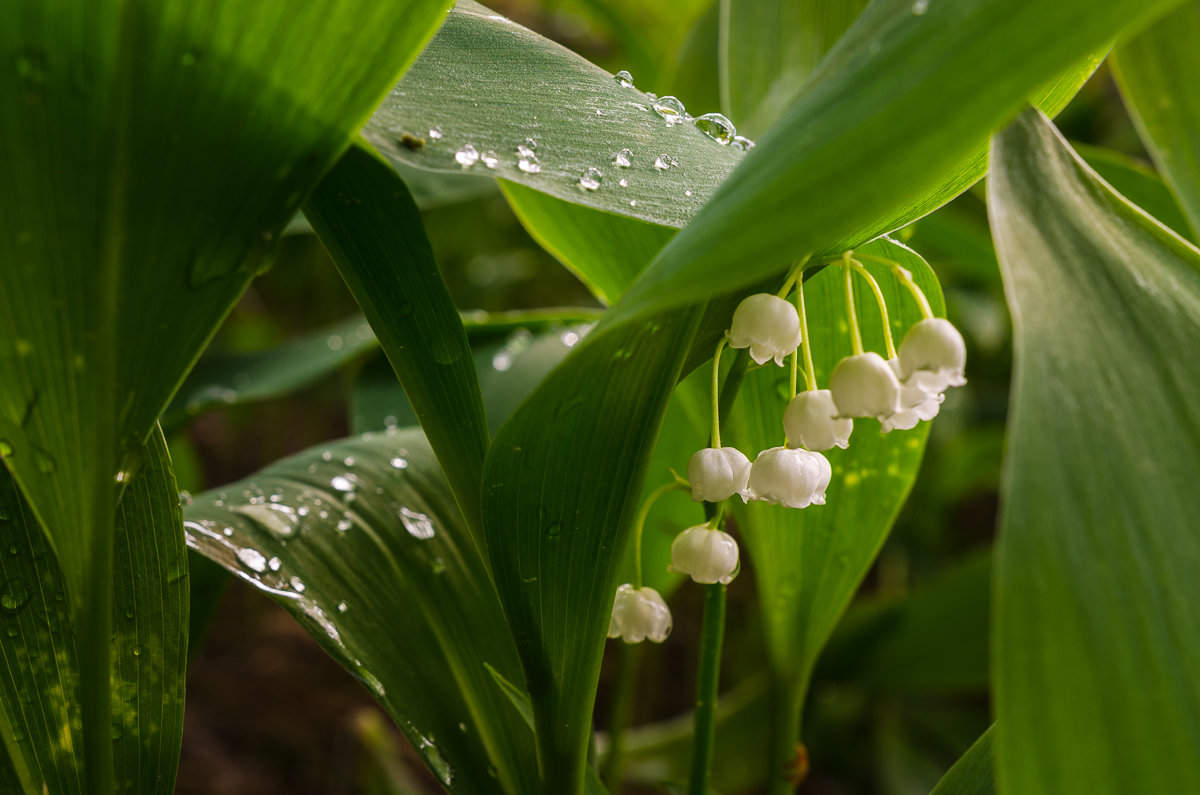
622	711
639	523
712	637
786	699
905	277
851	315
889	344
793	275
810	375
716	405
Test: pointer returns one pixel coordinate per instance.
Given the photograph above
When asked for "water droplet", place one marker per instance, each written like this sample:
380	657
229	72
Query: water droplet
437	763
417	524
327	455
437	566
297	584
467	156
335	342
348	461
399	463
435	133
529	163
671	109
919	7
569	338
490	159
252	559
274	564
343	525
117	731
717	127
623	159
624	78
624	183
282	520
530	144
687	193
342	607
185	499
741	142
341	483
590	179
633	202
553	529
13	595
663	162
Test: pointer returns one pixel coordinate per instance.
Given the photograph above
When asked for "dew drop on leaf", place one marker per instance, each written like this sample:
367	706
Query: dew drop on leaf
624	78
717	127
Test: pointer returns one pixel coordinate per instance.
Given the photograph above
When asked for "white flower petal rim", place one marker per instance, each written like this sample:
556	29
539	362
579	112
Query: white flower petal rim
933	347
810	421
717	474
865	385
766	324
792	478
705	554
639	614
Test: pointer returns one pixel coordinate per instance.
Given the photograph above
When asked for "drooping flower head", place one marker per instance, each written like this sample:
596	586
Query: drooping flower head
717	473
810	420
916	404
865	386
705	554
793	478
638	614
933	355
766	324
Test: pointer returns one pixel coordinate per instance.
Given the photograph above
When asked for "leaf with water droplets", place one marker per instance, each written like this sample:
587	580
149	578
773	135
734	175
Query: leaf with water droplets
481	67
443	621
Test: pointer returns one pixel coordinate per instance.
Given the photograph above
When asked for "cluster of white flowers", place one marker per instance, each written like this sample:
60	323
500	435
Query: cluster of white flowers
899	392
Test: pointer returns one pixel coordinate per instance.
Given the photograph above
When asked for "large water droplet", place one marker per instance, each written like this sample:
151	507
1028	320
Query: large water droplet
417	524
671	109
624	78
399	463
554	529
623	159
663	162
529	163
490	159
282	520
252	559
467	156
274	564
717	127
590	179
341	483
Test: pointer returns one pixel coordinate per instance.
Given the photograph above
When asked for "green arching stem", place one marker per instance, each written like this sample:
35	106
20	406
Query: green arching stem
639	523
810	375
716	408
622	711
851	315
714	521
712	636
793	275
888	343
905	277
792	374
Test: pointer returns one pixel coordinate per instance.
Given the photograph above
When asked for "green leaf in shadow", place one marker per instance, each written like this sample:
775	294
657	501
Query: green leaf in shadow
973	773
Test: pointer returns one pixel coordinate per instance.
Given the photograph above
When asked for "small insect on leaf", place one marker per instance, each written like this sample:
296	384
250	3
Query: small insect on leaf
412	142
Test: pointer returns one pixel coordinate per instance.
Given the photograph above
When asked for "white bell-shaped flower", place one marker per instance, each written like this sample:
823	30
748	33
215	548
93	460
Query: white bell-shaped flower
810	420
705	554
933	355
794	478
638	614
916	404
717	473
766	324
865	386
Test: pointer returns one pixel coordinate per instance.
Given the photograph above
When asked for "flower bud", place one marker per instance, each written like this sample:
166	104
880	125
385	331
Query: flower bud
811	421
767	325
864	386
794	478
933	355
639	613
717	473
704	554
916	404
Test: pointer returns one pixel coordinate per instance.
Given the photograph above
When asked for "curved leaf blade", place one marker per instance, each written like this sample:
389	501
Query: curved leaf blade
1097	646
490	83
367	528
973	773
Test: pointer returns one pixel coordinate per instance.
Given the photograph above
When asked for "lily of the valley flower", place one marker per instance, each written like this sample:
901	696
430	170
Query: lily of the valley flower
933	355
717	473
810	420
705	554
793	478
766	324
916	404
638	614
865	386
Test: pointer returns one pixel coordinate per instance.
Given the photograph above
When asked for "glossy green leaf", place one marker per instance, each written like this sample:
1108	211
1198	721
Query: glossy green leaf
1157	71
371	226
487	82
561	485
974	773
767	49
367	528
809	563
1139	184
39	674
1097	641
605	251
224	379
152	154
913	95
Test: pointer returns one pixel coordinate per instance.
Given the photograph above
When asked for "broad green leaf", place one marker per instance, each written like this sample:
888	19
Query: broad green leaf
1139	185
1157	71
362	542
973	774
223	379
39	667
487	82
809	563
371	226
1097	642
561	485
913	95
767	49
605	251
153	153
